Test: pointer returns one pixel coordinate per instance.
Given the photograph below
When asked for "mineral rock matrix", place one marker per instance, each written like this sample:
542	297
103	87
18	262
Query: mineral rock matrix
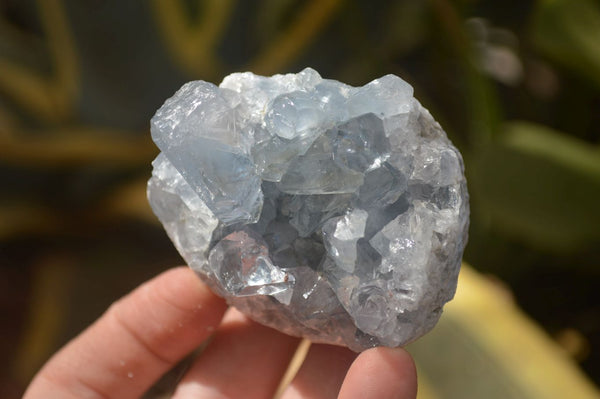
327	211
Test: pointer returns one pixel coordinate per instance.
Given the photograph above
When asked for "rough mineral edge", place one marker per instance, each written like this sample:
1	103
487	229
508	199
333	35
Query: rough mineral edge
326	211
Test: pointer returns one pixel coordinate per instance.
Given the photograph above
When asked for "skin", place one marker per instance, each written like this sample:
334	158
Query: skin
144	334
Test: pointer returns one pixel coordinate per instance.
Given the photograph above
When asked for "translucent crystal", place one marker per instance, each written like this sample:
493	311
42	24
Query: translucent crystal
327	211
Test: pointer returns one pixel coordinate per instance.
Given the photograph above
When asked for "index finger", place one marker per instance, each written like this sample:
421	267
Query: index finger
138	339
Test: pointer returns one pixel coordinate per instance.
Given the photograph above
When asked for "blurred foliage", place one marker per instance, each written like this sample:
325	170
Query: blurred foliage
514	83
484	347
542	187
567	32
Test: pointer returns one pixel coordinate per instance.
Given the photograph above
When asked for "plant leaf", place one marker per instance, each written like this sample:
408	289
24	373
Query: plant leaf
568	32
541	186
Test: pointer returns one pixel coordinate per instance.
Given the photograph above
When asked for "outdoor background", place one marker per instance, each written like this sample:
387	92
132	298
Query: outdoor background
515	84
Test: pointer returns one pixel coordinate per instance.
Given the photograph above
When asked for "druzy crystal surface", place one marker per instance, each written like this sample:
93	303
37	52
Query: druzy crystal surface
327	211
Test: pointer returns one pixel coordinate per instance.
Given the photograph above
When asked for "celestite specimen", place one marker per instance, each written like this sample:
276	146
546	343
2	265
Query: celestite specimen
327	211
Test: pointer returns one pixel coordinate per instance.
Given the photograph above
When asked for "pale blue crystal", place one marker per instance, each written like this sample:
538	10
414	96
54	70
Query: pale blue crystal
327	211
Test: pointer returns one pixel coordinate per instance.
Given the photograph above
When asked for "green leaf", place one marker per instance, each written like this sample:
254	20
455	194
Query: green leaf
541	141
568	32
541	186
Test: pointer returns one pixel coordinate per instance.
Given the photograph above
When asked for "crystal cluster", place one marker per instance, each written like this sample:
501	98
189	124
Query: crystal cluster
327	211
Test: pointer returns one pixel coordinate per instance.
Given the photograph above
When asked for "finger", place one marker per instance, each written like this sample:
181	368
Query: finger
321	374
138	339
382	373
244	360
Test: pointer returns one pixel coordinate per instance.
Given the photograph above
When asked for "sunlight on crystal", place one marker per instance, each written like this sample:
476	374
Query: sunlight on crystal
327	211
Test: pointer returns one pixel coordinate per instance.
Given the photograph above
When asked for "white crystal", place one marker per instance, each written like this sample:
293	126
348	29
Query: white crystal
327	211
187	220
340	236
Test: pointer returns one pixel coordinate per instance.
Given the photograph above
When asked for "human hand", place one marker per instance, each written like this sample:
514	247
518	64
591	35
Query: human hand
147	332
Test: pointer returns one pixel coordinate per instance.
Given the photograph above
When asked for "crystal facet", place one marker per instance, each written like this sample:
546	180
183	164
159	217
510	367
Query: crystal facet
327	211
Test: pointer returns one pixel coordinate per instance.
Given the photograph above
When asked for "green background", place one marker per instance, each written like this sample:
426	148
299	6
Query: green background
516	85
